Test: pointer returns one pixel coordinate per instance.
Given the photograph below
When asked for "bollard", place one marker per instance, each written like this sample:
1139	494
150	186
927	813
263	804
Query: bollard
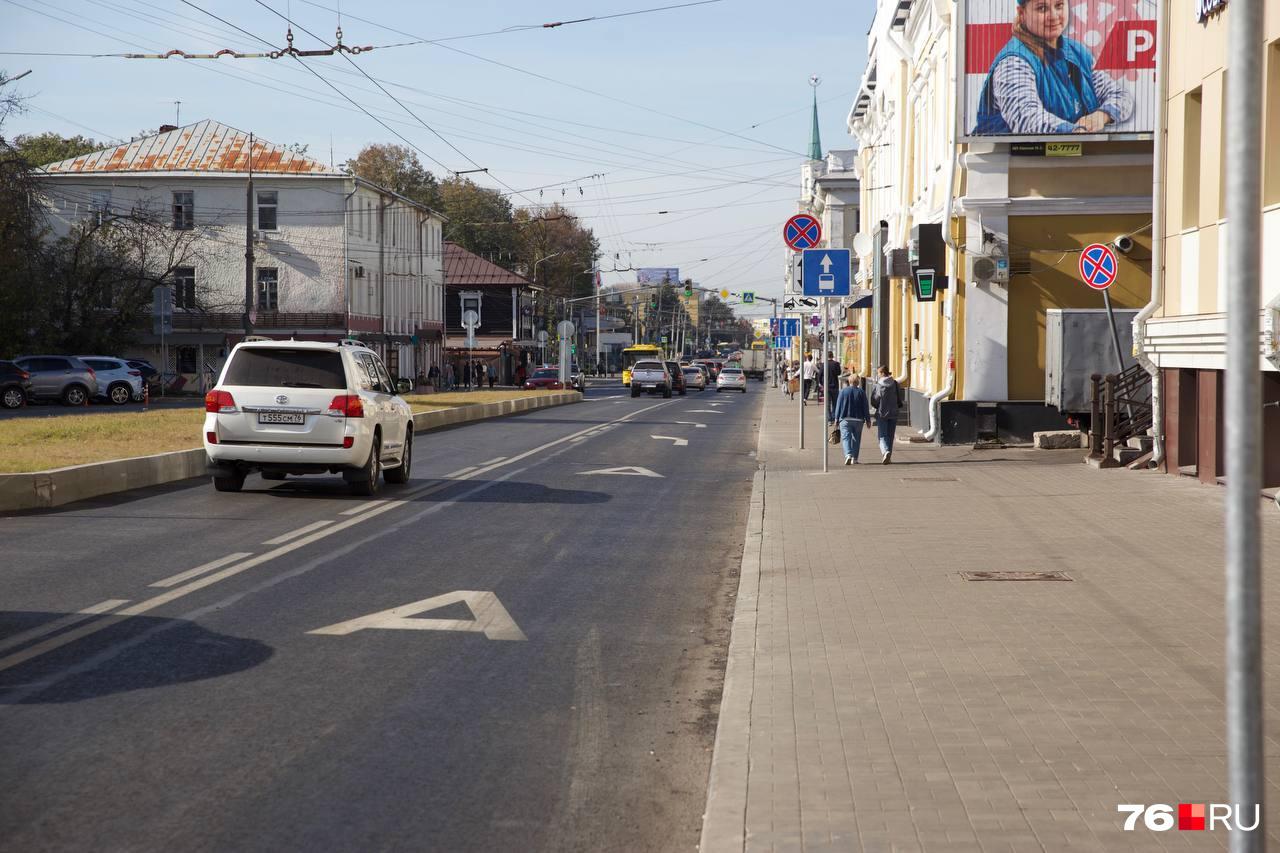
1095	417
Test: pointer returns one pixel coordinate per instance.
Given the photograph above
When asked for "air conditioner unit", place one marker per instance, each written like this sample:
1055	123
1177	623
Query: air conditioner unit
990	269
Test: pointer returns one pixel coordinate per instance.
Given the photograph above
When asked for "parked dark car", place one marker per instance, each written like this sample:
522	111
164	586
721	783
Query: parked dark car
60	377
678	384
146	368
15	385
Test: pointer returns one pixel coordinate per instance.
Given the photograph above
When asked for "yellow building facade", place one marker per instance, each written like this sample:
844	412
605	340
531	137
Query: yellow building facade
1185	338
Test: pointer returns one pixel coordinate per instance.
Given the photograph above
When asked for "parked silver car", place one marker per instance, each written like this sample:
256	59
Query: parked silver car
60	377
118	382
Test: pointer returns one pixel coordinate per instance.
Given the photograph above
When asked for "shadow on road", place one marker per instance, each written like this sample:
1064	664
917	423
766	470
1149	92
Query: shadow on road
139	653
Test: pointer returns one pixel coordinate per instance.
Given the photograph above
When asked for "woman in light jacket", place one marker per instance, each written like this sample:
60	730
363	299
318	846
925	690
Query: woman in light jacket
1042	82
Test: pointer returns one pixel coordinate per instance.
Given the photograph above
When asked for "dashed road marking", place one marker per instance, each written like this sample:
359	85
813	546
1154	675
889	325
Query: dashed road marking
65	622
301	531
200	570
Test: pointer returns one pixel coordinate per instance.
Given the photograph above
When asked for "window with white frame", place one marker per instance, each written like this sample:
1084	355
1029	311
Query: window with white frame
184	288
268	204
99	206
184	214
268	288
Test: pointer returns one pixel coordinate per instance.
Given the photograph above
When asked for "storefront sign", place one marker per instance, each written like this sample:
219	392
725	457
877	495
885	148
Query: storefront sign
1205	9
1047	149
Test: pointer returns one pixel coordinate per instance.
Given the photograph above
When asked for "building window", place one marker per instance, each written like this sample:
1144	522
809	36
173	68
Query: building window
1194	108
184	288
184	213
1271	141
187	361
267	205
268	289
99	206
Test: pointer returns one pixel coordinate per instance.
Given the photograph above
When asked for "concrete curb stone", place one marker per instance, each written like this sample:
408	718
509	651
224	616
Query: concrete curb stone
60	486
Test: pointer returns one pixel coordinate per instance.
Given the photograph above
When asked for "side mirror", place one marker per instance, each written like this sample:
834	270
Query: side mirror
403	385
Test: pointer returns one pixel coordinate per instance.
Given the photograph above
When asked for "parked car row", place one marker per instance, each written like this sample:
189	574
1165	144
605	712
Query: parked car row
72	380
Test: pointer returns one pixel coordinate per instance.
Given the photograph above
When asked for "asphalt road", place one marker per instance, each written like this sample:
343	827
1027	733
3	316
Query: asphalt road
240	685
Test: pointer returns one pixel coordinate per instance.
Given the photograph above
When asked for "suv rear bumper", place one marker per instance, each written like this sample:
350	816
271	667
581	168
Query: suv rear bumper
287	458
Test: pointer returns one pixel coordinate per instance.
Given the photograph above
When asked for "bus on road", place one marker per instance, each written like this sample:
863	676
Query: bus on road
632	354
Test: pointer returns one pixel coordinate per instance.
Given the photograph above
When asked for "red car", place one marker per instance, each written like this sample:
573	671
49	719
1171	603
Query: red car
545	378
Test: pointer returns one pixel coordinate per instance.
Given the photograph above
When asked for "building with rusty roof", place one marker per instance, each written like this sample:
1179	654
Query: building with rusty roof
506	334
333	255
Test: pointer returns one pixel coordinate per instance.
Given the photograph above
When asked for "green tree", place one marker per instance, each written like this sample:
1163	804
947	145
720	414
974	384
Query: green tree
42	149
396	168
481	220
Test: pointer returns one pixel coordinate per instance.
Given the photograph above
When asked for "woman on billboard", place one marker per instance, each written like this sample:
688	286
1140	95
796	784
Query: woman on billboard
1043	82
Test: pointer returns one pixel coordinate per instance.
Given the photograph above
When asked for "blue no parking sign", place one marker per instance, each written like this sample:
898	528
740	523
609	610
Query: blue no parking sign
1098	266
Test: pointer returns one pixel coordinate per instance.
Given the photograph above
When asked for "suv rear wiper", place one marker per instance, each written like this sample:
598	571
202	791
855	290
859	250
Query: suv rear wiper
301	385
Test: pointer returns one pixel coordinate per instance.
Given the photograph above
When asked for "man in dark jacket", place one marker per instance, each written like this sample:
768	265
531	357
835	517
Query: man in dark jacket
884	397
851	413
832	386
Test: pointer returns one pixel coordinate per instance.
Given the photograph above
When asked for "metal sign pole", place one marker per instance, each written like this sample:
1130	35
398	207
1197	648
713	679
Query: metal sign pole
800	396
1115	336
826	379
1243	414
773	350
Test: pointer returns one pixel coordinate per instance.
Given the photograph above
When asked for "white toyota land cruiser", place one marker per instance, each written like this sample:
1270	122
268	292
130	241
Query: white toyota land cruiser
307	407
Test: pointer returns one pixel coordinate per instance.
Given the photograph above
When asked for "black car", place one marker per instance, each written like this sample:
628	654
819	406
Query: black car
146	368
677	378
15	385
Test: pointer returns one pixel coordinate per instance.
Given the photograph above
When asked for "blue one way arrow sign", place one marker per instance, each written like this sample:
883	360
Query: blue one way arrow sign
826	272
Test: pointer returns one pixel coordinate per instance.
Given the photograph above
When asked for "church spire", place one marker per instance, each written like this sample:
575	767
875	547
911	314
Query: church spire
815	139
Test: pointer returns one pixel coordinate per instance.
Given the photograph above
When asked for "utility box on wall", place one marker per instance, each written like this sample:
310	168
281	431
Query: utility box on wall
1078	344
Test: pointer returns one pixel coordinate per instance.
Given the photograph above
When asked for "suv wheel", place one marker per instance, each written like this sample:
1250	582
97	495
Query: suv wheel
232	482
13	398
120	393
666	392
635	390
364	481
75	395
400	474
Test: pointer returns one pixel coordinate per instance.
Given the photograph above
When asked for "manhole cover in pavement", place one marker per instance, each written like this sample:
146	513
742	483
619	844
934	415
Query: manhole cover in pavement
1015	576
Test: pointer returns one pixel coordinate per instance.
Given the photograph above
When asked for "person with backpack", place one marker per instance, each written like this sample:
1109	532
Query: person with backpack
885	399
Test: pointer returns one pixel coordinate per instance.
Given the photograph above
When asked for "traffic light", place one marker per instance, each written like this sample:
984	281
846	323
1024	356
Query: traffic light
688	291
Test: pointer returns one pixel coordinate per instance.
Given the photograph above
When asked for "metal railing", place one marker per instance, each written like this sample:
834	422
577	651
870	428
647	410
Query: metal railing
1120	410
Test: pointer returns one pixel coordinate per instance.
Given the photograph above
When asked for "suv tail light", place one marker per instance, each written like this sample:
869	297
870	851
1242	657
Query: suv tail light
135	372
349	405
24	374
219	402
92	374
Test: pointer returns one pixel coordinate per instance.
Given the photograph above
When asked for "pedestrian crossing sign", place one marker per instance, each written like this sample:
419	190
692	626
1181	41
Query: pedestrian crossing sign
748	297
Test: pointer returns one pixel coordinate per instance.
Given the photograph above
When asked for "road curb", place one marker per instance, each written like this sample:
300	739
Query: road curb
724	821
60	486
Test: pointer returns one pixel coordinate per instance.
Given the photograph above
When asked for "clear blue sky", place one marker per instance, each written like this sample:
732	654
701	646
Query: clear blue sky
690	78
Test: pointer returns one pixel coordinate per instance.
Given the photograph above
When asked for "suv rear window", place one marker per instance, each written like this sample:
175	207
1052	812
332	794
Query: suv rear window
286	368
648	365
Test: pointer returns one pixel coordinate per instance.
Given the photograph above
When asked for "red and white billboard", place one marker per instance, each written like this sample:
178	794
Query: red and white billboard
1043	69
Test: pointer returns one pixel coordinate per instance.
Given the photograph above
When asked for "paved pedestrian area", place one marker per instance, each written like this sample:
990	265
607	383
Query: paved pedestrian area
876	700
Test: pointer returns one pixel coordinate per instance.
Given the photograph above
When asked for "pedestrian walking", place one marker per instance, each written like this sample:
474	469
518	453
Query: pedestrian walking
448	376
807	373
833	386
521	373
433	377
885	398
493	375
851	413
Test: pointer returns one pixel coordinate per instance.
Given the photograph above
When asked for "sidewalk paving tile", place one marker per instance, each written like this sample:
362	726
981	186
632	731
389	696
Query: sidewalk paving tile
882	702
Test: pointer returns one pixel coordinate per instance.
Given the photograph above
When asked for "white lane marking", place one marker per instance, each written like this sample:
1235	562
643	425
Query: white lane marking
626	471
704	412
65	622
491	618
679	442
491	461
301	531
199	570
237	568
693	424
356	510
460	472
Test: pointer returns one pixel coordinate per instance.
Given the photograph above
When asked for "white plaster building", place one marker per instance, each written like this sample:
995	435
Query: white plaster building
333	255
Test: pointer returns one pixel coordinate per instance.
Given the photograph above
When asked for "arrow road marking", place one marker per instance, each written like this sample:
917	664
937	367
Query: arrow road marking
491	618
628	471
693	424
679	442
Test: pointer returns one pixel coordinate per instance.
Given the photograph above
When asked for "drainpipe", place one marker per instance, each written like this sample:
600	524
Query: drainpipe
1157	242
935	402
346	257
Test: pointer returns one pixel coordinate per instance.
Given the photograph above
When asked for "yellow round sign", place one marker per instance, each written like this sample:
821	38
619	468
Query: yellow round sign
724	294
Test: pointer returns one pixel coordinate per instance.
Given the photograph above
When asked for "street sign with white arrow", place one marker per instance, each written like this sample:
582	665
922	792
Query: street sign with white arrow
826	272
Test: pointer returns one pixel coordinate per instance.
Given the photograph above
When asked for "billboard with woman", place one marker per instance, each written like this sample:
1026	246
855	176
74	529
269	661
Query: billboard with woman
1038	69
